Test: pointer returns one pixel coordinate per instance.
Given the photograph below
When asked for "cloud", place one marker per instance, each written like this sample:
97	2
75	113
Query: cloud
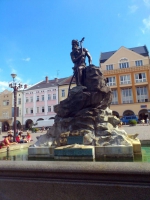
26	59
3	86
147	3
133	8
146	23
13	71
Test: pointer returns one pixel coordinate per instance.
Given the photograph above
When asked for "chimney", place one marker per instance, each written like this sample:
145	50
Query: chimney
46	79
56	79
25	86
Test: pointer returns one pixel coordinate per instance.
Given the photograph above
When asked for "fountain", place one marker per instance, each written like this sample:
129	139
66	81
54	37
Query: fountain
84	127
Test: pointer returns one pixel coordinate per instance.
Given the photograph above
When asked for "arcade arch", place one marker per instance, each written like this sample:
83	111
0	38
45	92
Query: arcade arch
143	114
5	126
128	113
28	123
18	124
39	119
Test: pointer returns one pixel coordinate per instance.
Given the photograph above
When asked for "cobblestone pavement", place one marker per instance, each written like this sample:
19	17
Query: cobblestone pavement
143	131
33	135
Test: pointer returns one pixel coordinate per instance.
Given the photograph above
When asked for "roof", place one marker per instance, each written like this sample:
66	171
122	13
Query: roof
142	50
67	81
44	84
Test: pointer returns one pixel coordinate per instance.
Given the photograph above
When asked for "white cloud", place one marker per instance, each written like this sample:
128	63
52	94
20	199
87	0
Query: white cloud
26	59
3	86
13	71
146	23
133	8
143	30
147	3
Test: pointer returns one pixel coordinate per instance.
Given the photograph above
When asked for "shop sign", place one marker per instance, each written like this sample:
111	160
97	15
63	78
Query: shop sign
143	106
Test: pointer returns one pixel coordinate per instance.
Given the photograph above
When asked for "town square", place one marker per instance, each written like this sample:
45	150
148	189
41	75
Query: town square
74	100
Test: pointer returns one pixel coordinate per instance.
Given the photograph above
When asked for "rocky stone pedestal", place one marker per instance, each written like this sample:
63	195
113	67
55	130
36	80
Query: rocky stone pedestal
85	128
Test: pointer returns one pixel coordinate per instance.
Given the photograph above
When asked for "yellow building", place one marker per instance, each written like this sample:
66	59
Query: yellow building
63	88
6	110
127	72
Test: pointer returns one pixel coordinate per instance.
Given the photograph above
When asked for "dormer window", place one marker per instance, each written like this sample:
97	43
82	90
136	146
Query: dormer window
138	63
123	63
109	67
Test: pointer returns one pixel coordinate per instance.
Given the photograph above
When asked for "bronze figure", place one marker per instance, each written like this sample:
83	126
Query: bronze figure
78	56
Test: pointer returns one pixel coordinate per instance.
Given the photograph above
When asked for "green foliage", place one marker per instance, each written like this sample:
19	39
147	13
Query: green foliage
132	122
34	130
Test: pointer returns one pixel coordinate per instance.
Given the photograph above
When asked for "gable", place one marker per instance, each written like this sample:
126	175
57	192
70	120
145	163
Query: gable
126	54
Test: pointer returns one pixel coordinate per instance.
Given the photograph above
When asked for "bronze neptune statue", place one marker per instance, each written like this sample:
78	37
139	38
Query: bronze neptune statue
78	56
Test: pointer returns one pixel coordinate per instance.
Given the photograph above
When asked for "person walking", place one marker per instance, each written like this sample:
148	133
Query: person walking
143	121
147	121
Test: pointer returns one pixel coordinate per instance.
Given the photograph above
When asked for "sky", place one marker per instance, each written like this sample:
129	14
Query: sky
35	35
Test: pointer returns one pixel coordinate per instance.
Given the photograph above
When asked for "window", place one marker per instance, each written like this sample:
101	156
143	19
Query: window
127	95
19	112
42	97
142	94
114	97
31	110
43	109
19	101
5	102
63	93
5	114
37	109
111	81
141	77
49	97
125	79
31	99
109	67
26	110
124	65
138	63
54	96
37	98
49	109
27	100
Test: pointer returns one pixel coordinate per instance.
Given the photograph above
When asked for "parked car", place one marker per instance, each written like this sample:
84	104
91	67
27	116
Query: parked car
126	119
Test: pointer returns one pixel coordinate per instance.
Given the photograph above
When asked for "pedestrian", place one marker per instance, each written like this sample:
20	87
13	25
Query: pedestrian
143	122
43	128
147	121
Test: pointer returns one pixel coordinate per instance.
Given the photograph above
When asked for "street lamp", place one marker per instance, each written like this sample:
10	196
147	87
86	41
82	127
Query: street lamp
15	87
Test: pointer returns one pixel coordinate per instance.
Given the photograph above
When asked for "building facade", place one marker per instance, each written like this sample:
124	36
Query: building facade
63	88
39	101
6	110
127	72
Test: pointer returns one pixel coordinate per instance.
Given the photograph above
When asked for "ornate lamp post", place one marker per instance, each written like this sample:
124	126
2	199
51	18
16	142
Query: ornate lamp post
15	87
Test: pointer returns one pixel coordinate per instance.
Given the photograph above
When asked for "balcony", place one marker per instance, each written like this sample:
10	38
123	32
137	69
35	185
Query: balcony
125	82
140	80
5	117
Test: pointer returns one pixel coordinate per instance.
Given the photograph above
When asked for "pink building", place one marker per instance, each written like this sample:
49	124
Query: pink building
39	101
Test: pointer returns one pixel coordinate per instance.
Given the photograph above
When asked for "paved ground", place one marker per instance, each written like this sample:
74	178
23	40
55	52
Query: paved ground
143	131
33	135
